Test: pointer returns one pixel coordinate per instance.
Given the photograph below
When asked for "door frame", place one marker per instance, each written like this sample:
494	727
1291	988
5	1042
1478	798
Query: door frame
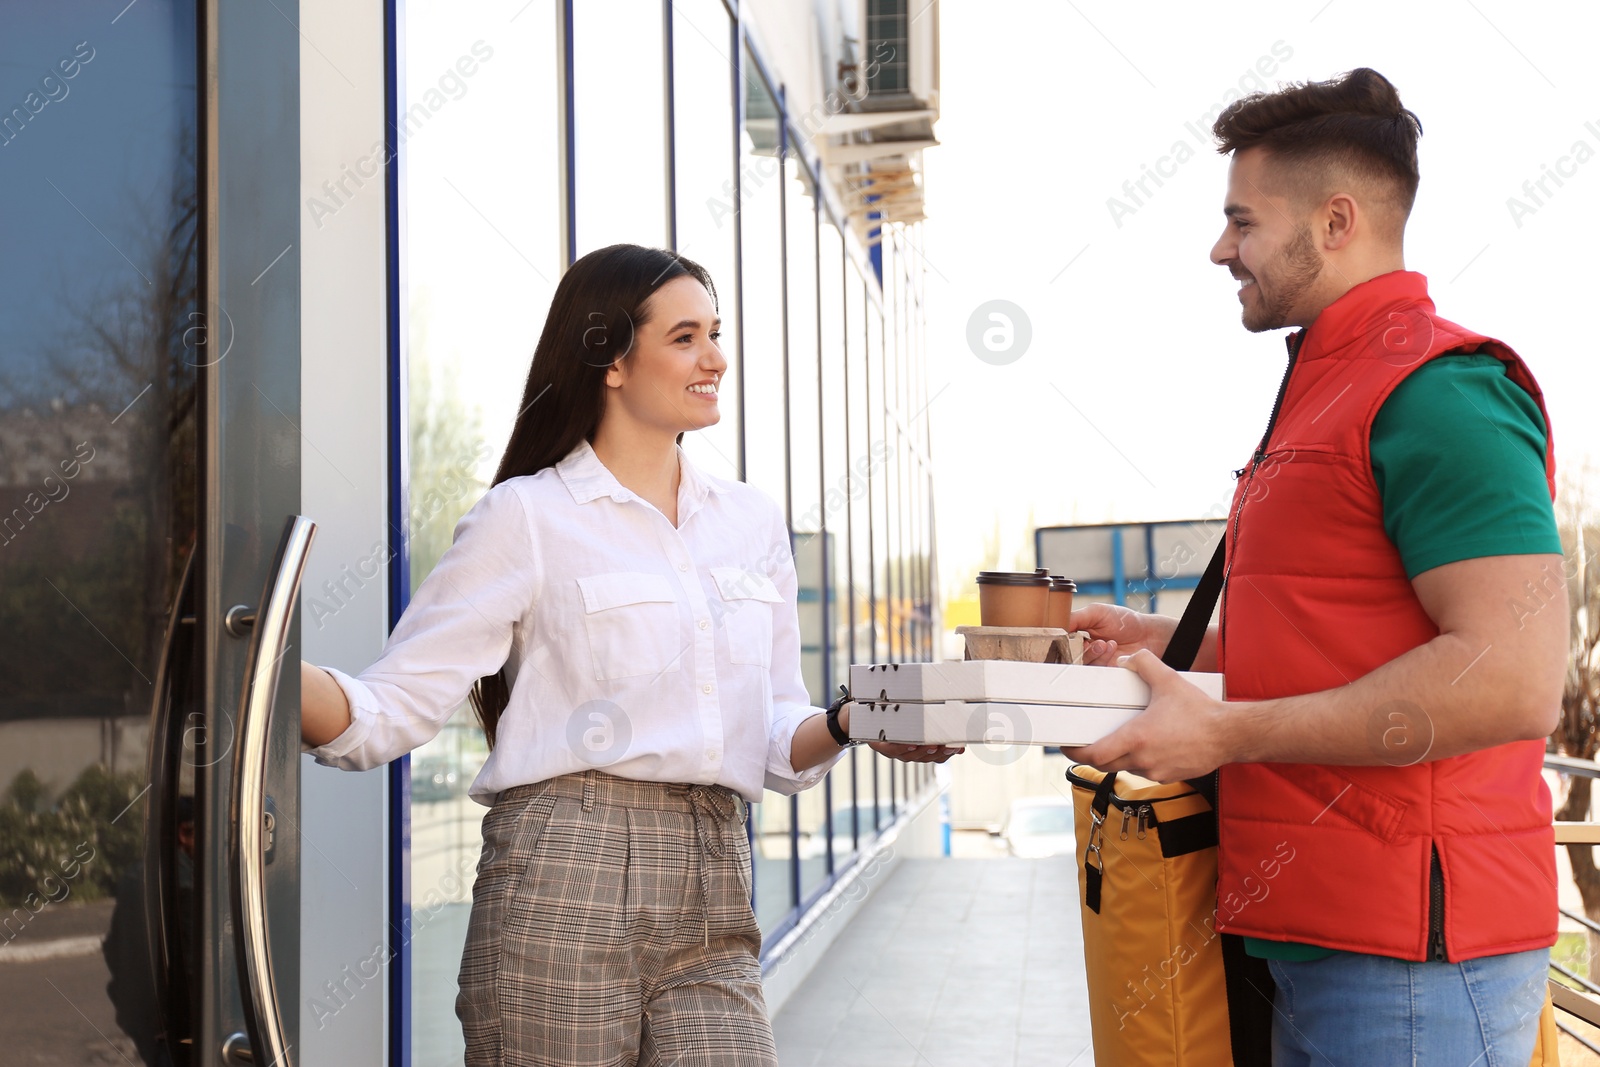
249	462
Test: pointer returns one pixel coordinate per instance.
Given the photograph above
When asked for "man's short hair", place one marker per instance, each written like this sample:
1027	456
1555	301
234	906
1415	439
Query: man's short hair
1352	126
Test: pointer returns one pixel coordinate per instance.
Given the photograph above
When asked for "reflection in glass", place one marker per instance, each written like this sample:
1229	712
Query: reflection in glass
883	772
703	109
483	217
844	800
894	480
863	447
838	465
879	430
761	228
924	605
805	437
103	340
805	481
620	139
871	797
772	854
923	555
813	842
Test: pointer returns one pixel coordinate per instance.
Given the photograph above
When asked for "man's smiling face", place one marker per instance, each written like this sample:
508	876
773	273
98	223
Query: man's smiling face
1267	246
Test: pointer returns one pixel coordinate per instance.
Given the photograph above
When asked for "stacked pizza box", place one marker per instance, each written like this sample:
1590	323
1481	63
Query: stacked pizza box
970	702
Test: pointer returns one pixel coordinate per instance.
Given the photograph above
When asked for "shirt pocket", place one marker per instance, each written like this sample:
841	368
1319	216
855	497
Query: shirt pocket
746	615
632	621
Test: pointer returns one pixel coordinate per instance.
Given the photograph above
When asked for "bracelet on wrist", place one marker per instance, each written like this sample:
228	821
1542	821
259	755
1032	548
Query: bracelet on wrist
836	730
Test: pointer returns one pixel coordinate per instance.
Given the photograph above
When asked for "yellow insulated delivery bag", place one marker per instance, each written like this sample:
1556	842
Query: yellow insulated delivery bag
1148	886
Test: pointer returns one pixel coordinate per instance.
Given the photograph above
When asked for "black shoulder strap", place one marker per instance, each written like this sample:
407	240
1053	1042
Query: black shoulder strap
1248	983
1185	643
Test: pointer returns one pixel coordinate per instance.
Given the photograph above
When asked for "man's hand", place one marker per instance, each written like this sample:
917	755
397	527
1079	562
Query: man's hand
1182	734
1116	631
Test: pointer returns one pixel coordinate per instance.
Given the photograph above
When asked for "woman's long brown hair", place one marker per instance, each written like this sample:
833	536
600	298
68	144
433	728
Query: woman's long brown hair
601	299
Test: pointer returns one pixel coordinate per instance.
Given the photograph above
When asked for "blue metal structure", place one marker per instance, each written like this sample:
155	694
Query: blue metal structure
1144	559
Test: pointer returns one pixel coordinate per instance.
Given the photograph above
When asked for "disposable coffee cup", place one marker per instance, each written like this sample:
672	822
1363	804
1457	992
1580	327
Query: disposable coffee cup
1013	598
1058	607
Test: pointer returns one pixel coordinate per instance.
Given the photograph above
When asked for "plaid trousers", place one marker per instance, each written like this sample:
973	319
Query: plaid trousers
611	927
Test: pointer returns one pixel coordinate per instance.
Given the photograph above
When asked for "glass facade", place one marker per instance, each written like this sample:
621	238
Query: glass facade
678	138
105	334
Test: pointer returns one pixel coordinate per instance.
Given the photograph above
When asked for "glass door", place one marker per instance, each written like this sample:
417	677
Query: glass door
149	478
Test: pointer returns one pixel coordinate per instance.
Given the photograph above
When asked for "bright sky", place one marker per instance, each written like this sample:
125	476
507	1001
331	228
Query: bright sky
1140	390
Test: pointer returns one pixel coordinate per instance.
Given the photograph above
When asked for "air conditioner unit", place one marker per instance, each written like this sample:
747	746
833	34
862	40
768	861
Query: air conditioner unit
900	52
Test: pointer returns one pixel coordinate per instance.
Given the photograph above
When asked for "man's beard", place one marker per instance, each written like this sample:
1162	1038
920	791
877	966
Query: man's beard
1294	271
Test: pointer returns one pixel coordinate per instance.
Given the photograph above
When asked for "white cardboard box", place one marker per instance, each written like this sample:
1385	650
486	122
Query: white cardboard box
960	722
998	702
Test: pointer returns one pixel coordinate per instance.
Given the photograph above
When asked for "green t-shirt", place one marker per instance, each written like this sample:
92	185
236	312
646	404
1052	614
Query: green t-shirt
1458	455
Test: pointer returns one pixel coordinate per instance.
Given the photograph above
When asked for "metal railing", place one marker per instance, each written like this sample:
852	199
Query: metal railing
1572	993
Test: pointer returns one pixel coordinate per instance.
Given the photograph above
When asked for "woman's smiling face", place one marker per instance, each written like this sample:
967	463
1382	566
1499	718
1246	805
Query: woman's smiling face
667	383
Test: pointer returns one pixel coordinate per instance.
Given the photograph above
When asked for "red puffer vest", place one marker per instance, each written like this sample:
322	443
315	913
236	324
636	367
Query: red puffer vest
1451	858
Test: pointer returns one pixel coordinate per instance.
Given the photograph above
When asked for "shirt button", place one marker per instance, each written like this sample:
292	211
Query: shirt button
683	566
711	753
705	623
706	688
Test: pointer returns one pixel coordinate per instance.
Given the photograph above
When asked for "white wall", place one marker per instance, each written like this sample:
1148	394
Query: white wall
344	469
790	37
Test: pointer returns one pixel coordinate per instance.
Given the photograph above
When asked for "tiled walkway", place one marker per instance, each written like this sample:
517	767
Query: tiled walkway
958	962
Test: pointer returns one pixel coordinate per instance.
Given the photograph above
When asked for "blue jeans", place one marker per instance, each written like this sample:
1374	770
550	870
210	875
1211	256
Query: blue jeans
1356	1010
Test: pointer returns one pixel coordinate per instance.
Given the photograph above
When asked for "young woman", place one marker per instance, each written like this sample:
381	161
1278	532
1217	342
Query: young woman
626	626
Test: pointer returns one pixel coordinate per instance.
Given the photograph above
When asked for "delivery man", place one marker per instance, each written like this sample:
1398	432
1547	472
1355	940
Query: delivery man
1393	628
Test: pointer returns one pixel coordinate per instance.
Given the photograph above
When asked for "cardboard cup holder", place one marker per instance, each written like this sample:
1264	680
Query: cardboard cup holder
1024	644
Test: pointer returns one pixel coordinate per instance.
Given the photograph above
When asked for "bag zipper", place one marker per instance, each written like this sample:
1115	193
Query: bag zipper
1436	909
1123	803
1142	811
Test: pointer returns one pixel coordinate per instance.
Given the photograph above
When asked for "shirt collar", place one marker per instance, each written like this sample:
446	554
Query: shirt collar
587	479
692	485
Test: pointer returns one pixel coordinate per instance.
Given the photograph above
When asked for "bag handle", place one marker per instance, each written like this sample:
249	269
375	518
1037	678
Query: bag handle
1093	873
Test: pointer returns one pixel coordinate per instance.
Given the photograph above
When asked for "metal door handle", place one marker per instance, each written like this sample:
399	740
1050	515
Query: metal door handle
162	772
268	643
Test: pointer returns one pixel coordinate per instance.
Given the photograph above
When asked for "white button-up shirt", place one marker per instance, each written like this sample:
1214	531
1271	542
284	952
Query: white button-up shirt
653	652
